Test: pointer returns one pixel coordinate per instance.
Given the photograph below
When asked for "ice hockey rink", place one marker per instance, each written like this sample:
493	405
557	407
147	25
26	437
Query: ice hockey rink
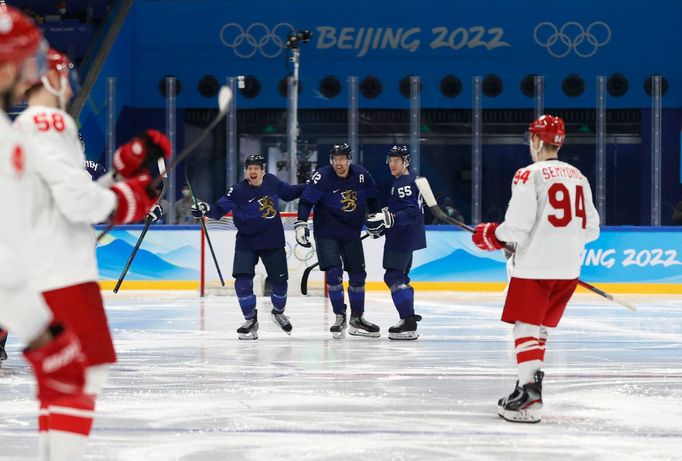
185	388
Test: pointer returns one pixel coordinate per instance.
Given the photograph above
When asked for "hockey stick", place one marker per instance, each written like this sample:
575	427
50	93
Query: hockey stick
309	269
202	220
148	222
425	190
224	99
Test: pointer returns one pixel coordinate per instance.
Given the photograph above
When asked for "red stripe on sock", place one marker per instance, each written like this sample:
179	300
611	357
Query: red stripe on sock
527	356
519	341
69	423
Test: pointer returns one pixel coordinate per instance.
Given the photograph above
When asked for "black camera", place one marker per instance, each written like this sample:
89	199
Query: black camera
302	36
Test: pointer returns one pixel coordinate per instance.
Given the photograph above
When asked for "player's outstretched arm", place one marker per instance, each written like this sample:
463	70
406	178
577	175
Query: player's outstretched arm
289	192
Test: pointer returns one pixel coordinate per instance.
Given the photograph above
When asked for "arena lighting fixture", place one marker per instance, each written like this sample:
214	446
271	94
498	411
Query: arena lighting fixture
450	86
330	87
162	85
492	86
617	85
250	87
528	85
648	85
370	87
208	86
282	87
405	87
573	85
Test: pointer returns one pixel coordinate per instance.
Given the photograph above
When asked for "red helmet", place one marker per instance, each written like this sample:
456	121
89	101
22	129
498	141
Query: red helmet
59	62
19	36
550	128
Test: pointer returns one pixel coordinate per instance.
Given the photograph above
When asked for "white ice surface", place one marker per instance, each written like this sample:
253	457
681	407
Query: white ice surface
186	389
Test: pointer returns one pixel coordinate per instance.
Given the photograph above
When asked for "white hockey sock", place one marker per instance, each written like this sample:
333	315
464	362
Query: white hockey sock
528	350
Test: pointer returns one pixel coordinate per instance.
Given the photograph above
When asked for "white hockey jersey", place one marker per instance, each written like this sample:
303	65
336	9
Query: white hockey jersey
64	203
22	310
550	217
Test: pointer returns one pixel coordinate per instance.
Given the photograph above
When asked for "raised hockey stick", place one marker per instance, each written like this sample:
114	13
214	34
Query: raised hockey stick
224	99
203	227
148	222
425	189
309	269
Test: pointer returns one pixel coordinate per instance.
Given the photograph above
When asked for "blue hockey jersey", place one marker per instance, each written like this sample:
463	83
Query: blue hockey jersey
407	233
255	211
339	203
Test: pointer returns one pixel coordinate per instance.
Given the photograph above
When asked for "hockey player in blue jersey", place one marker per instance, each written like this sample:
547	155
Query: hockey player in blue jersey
260	234
402	222
340	194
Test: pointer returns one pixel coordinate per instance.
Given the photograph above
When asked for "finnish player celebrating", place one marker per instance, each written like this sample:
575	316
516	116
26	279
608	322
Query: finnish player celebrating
402	222
63	207
340	194
260	235
550	218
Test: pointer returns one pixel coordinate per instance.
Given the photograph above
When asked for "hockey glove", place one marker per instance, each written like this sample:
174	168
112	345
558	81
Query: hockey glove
133	199
155	213
59	366
384	217
140	153
201	211
484	237
302	233
375	227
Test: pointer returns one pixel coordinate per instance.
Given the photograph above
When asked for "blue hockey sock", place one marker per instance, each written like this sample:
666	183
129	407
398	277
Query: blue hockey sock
401	293
279	295
356	292
334	277
247	300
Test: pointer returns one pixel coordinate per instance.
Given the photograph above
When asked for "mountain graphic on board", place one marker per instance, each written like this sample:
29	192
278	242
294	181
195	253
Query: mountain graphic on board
113	257
460	266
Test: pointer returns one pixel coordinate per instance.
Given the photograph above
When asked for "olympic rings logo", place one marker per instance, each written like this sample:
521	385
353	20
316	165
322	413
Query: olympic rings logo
584	42
245	43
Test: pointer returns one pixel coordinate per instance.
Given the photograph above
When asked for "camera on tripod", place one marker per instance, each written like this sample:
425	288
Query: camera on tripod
294	40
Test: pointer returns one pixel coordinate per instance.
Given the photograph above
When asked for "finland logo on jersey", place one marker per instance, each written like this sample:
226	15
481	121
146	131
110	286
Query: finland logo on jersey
267	206
349	201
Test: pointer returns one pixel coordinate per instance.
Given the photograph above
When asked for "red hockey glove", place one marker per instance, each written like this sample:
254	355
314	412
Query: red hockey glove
140	153
59	366
133	199
484	237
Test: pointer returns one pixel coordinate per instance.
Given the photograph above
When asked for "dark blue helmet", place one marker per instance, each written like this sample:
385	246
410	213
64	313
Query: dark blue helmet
399	151
256	159
341	149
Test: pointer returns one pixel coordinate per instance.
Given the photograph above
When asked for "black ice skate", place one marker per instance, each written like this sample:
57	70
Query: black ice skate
406	329
281	321
339	328
3	354
358	326
524	404
250	328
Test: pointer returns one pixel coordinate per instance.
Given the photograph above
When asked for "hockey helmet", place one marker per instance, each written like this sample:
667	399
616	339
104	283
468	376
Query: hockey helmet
399	151
341	149
550	128
255	159
22	42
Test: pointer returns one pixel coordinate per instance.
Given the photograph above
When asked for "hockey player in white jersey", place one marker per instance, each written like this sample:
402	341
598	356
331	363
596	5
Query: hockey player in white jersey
549	220
64	205
52	350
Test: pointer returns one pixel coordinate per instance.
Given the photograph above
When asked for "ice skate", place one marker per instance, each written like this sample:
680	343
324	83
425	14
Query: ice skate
524	404
3	353
281	321
406	329
358	326
339	328
249	330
